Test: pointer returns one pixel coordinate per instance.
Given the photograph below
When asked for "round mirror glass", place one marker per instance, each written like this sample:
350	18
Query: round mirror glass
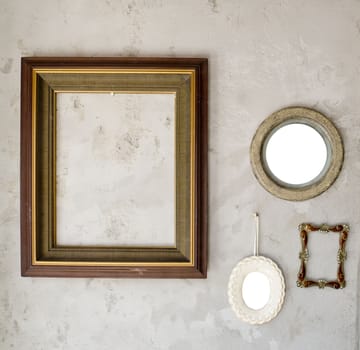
256	290
296	154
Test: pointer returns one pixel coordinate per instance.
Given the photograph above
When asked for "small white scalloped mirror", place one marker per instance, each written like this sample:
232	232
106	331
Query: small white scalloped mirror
256	287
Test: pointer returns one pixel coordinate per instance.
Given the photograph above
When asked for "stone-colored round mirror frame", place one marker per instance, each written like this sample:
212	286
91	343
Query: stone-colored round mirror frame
331	137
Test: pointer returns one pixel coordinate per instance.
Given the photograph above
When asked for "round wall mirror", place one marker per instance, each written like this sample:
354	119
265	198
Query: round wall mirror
296	153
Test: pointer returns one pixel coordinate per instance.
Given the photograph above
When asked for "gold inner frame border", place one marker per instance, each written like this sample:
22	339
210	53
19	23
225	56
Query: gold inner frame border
192	75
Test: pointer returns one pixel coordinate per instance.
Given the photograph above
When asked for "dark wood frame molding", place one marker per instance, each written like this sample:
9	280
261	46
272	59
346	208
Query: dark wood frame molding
40	255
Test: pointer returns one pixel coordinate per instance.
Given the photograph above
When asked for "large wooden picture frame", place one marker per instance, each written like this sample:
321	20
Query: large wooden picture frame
42	79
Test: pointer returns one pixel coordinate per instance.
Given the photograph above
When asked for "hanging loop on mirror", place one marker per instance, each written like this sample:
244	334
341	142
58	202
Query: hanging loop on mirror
256	240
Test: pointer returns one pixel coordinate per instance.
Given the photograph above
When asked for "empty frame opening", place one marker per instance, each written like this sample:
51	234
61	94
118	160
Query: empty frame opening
115	169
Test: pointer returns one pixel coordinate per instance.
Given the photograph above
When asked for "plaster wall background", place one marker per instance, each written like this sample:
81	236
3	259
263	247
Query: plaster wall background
126	142
263	55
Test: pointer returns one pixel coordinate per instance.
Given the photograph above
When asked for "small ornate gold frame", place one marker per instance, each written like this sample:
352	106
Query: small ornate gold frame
305	229
331	137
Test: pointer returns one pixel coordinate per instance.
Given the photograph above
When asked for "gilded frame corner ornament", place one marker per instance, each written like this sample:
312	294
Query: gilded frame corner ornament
327	130
42	78
305	230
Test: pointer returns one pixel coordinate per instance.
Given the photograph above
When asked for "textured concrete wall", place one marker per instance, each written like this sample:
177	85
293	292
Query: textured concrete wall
263	55
126	193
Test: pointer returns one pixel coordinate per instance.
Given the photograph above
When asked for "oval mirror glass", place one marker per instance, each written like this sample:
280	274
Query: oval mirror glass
296	154
256	290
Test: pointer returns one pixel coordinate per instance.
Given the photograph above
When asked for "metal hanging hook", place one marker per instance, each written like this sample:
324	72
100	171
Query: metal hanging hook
256	241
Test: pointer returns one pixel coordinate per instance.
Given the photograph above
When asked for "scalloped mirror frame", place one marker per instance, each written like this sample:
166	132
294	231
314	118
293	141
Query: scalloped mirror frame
331	137
277	289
